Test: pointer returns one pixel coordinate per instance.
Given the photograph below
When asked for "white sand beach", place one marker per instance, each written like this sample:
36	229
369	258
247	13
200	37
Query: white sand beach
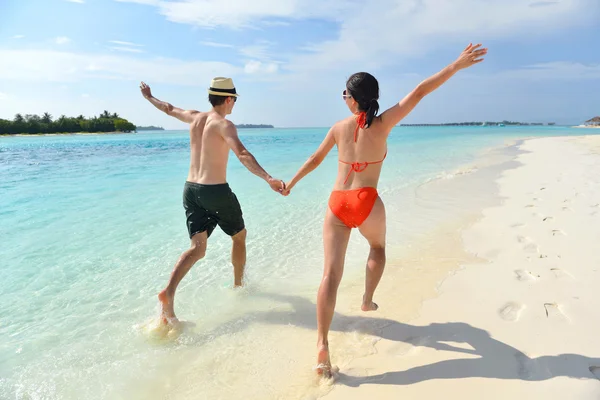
517	317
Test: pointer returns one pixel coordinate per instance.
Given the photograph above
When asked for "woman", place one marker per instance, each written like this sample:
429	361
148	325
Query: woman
354	203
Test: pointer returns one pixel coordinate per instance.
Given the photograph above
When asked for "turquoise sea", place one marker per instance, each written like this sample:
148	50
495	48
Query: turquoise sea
91	225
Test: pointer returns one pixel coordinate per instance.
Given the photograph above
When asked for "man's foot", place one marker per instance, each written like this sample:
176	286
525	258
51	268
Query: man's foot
323	367
368	305
167	313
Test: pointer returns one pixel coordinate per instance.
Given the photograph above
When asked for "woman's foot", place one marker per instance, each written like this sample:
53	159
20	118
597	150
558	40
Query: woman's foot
323	367
368	305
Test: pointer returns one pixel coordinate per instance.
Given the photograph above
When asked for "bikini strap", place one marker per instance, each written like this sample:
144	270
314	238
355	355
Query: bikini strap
361	121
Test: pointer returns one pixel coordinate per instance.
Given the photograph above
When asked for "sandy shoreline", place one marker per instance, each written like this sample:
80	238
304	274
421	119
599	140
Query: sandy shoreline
516	319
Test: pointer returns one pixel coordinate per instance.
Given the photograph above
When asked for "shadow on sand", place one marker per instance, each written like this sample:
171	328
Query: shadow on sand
488	357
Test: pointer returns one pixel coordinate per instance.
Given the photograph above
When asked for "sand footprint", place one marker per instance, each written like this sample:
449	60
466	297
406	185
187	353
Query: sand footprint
553	311
511	311
560	273
524	239
547	219
518	225
567	209
558	232
525	276
531	248
529	206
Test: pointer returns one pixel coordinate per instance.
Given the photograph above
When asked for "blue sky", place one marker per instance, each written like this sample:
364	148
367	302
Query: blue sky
290	58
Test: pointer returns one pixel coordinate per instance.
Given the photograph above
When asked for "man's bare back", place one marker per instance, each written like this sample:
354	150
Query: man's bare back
209	152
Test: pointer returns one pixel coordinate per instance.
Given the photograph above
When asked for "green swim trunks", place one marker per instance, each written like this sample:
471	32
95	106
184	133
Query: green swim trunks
207	206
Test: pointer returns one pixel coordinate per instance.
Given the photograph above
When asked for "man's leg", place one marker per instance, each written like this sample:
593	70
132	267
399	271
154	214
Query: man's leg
238	256
196	252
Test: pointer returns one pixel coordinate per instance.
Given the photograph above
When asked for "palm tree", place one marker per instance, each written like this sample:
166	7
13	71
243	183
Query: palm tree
115	116
80	117
19	118
105	114
47	118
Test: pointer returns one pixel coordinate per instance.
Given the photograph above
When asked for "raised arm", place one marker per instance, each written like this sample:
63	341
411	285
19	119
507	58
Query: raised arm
182	115
313	161
232	139
469	57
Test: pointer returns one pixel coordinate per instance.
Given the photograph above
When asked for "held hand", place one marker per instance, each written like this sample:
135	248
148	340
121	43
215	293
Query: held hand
287	190
277	185
145	89
470	56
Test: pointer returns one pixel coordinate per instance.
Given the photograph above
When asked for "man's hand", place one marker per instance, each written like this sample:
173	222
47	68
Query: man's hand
287	190
470	56
145	89
277	185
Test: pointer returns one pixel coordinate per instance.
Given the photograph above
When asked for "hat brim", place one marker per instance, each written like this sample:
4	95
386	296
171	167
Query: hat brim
224	94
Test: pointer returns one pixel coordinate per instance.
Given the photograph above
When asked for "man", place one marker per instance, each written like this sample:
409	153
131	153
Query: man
207	199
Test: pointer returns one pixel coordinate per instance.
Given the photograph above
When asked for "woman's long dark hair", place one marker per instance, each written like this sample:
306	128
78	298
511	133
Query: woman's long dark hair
364	88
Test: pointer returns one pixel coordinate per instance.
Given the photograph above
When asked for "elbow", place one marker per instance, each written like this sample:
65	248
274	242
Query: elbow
244	155
167	108
315	160
420	92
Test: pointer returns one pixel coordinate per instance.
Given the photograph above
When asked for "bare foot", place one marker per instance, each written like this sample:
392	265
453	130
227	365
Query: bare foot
167	313
368	305
323	367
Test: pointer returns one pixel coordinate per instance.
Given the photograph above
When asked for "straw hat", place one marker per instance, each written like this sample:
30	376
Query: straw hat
222	87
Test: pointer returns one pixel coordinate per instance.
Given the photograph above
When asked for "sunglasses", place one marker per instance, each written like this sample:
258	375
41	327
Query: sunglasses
345	95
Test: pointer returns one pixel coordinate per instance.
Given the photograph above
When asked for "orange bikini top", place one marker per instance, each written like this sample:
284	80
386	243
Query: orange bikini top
361	121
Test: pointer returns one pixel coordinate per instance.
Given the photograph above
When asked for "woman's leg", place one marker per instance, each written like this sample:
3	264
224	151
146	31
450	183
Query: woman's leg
373	229
335	242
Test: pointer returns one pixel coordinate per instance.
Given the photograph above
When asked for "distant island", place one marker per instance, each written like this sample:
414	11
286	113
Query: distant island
34	124
485	123
252	126
150	128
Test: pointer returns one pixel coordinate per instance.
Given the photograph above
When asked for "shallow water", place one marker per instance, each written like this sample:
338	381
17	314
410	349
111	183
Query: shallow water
92	225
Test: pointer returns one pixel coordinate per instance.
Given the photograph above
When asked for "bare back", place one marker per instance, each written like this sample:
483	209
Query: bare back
209	152
370	147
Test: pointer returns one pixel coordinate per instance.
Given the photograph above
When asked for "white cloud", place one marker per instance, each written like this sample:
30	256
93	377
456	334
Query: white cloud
413	28
62	40
259	50
276	23
558	70
85	95
373	33
255	67
122	43
76	1
216	44
126	49
244	13
18	36
61	66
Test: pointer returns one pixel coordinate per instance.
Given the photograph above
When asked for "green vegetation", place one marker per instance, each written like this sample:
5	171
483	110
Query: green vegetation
150	128
34	124
247	126
483	123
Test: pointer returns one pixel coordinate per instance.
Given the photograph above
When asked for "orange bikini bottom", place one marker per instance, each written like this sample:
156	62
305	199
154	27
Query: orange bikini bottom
352	207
